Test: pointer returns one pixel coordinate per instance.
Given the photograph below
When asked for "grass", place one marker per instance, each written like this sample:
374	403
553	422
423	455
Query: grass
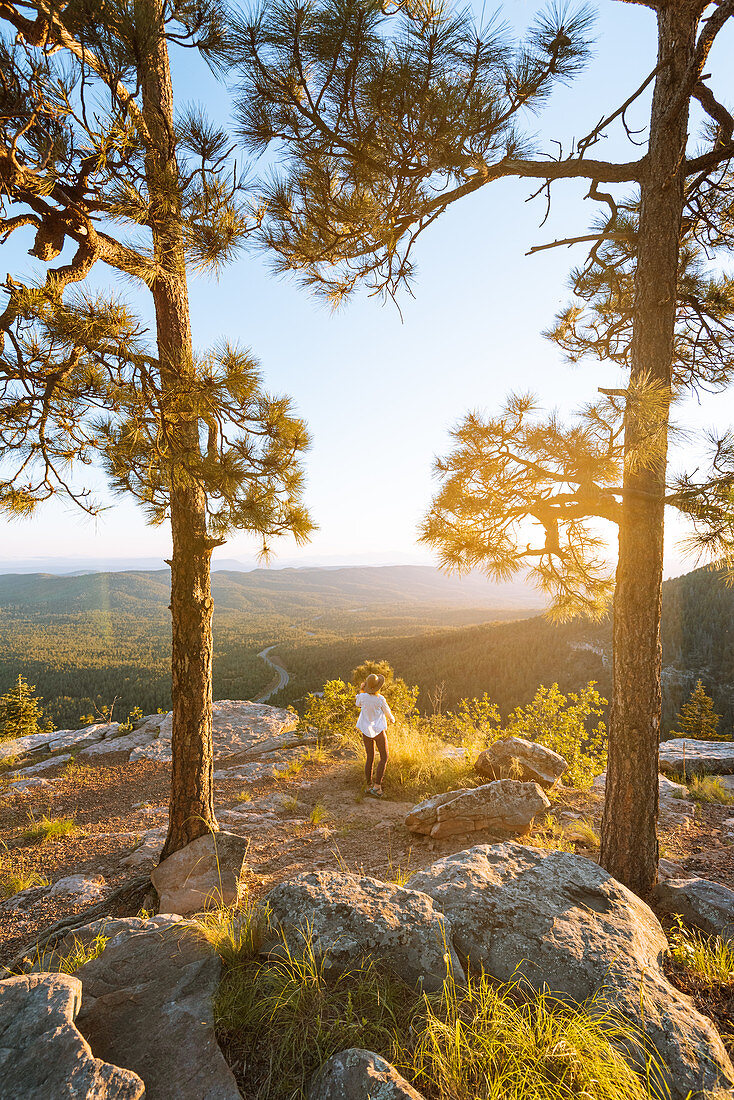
554	837
16	875
710	957
416	767
291	804
709	788
290	770
77	775
281	1019
244	796
47	828
400	872
318	814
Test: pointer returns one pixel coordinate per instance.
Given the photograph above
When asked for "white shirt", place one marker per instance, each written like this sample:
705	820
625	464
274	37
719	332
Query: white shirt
373	713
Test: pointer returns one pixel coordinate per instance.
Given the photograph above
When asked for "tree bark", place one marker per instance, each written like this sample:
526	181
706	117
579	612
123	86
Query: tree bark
629	847
191	808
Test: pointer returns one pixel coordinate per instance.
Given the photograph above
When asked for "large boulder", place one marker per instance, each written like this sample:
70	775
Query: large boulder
683	755
562	923
504	806
516	758
148	1005
42	1054
203	875
356	1074
706	905
344	918
238	728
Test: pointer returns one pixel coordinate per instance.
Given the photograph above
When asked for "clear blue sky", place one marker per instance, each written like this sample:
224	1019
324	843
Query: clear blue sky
378	392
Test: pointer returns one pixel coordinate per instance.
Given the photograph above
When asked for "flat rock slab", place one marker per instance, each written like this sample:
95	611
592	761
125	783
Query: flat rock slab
704	904
84	889
697	757
237	727
106	931
563	923
356	1074
204	874
149	849
344	918
148	1004
517	758
505	806
42	1054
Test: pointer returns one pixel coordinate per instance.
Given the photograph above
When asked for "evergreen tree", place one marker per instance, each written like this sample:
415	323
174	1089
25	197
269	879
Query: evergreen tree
697	718
95	164
386	118
21	713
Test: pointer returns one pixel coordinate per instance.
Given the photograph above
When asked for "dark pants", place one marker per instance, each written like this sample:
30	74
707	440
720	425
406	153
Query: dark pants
369	747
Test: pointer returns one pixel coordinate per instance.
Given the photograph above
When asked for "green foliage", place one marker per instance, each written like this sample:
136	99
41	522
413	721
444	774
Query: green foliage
21	712
710	957
284	1017
697	719
565	724
334	713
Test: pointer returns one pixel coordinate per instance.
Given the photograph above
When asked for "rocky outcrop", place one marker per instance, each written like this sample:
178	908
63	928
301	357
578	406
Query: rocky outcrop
42	1054
344	917
685	756
203	875
237	728
563	923
356	1074
147	1004
504	806
81	889
704	904
149	849
516	758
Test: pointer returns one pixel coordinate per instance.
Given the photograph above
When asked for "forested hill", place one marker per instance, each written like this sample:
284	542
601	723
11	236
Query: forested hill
286	591
101	636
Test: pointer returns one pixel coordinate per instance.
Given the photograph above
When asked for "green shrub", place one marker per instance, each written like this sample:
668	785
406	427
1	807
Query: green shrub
564	723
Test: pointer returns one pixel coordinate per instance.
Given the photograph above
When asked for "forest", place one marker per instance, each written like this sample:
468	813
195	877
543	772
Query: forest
88	641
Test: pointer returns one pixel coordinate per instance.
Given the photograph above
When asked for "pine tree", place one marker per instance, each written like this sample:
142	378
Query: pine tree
385	118
697	718
21	713
95	164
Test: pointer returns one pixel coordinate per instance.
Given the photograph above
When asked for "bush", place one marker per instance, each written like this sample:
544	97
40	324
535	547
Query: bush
334	713
564	724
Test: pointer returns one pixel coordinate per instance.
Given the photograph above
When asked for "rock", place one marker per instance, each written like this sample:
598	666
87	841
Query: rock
42	1054
356	1074
697	757
42	765
19	786
83	888
562	923
666	788
516	758
669	868
506	805
148	850
108	930
345	917
238	727
704	904
205	873
148	1004
251	771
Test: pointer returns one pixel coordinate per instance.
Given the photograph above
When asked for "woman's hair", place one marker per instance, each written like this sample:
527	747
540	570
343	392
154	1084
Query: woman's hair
373	683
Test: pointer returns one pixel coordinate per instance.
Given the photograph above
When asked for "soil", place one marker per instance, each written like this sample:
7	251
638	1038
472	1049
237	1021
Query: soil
113	803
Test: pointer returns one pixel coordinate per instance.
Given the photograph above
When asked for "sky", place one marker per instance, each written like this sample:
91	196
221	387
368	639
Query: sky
380	388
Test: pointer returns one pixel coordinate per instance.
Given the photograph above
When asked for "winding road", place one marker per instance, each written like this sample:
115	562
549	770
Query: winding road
282	672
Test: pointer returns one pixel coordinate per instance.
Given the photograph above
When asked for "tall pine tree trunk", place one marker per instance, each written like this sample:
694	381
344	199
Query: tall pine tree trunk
191	810
629	848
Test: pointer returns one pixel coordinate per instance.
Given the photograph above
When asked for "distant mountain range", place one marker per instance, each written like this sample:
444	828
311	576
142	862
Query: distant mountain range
292	591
